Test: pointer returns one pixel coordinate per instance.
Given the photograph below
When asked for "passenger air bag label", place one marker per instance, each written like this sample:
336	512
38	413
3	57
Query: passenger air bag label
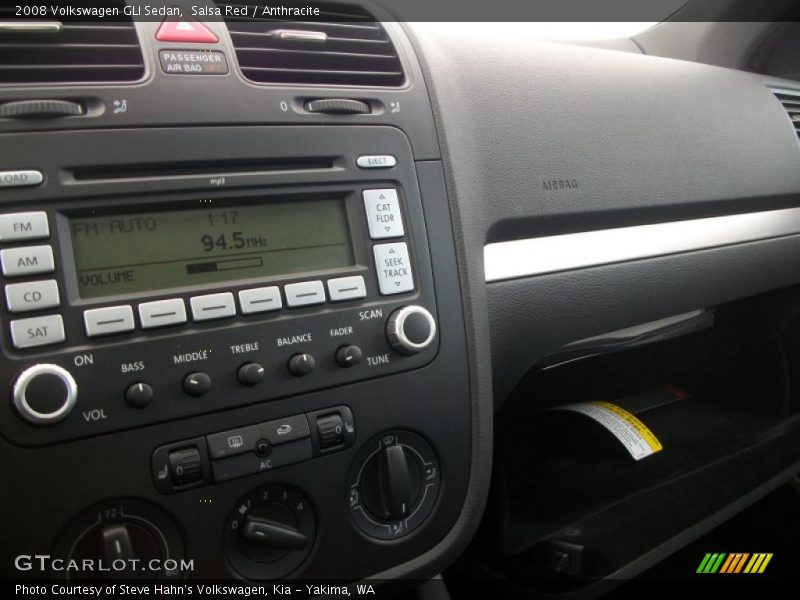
193	62
638	440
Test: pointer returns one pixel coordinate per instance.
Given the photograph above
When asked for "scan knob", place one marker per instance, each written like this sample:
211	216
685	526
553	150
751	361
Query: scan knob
410	329
44	394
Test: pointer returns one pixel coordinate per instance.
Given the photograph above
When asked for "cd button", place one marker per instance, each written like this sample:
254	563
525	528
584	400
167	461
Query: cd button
16	227
29	260
32	295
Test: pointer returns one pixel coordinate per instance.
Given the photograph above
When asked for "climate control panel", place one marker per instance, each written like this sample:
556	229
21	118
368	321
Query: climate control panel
251	449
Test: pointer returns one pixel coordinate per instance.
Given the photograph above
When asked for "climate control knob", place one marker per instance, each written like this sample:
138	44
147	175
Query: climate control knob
410	329
44	394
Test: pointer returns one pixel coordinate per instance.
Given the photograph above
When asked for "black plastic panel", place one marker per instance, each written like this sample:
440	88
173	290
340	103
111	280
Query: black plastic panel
72	476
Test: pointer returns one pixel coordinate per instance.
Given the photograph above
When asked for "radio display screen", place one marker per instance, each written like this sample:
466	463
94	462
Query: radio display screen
144	252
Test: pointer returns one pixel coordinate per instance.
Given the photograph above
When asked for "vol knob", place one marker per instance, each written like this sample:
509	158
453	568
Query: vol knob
44	394
410	329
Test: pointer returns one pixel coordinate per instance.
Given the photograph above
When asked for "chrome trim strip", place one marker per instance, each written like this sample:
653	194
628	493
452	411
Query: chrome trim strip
31	26
551	254
297	35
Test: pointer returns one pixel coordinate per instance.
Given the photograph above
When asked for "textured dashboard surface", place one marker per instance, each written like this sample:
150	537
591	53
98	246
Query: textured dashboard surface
541	139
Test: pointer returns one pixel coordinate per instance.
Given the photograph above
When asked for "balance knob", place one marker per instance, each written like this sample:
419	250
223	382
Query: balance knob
44	394
410	329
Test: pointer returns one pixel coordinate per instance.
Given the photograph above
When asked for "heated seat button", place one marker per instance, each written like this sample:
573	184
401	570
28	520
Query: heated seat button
330	429
197	384
186	466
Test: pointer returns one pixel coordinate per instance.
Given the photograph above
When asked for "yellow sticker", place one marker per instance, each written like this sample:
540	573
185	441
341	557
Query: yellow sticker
638	440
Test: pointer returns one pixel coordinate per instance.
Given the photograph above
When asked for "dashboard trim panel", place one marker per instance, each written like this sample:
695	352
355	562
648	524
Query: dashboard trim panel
537	256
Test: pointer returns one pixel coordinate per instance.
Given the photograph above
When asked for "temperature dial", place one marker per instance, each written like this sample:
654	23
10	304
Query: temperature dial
127	535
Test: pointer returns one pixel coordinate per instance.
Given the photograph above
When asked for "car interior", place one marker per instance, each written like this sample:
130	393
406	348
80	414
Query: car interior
319	293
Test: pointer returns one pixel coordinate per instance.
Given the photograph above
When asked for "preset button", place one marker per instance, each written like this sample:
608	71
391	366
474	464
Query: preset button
108	320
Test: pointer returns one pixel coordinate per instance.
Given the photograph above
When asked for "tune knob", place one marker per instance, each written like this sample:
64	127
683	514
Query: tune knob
410	329
44	394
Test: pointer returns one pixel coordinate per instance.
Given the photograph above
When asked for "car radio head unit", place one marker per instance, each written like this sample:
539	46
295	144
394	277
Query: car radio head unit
137	252
136	301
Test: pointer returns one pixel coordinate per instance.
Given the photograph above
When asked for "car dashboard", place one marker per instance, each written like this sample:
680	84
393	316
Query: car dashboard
300	299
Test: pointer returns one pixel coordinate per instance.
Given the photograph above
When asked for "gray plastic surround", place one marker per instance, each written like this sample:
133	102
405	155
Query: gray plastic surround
542	139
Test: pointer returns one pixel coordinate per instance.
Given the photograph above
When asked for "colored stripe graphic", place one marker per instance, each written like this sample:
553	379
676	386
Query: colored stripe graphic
736	562
758	563
711	562
740	562
727	564
703	563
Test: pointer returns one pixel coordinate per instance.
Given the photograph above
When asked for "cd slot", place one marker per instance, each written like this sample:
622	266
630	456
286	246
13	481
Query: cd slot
216	168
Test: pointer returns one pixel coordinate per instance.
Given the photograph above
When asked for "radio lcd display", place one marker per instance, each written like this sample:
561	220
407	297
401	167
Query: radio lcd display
142	252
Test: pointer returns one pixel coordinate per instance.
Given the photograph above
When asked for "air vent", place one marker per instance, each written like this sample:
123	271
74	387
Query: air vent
344	45
791	103
34	51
